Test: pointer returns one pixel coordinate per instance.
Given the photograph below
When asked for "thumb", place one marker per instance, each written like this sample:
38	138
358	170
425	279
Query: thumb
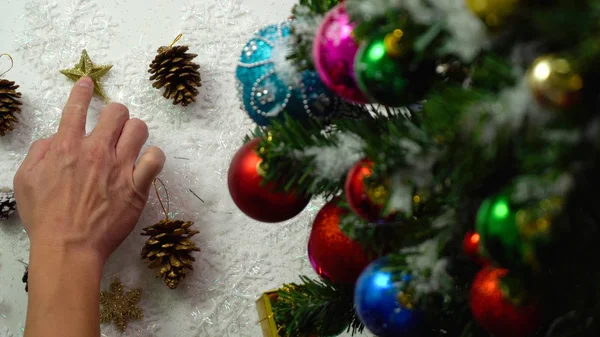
149	166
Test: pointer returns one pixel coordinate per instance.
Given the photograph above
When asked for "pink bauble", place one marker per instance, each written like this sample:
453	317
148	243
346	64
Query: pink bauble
334	50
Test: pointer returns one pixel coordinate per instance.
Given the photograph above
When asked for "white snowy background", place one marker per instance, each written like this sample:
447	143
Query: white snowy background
240	258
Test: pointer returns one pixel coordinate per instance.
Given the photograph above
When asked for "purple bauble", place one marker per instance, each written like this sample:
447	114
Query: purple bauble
334	51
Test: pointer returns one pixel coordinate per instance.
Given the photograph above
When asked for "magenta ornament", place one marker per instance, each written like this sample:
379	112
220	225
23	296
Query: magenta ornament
334	51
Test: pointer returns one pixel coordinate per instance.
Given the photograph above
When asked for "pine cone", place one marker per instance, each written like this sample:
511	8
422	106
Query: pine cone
173	69
169	248
9	106
25	279
8	204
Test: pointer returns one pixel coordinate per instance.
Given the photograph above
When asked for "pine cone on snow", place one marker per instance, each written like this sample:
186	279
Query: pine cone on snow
25	279
174	70
9	106
170	249
8	204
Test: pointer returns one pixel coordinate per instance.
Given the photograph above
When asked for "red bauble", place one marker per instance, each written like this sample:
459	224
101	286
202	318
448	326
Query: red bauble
497	314
366	201
261	203
471	244
332	254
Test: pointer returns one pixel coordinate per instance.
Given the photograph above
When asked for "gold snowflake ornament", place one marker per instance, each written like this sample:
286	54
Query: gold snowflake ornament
120	307
86	67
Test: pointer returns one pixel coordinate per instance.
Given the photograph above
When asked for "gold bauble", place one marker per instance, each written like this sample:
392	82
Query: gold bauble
554	82
492	12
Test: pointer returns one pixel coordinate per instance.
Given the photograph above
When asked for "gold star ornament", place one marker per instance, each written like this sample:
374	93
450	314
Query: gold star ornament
120	307
86	67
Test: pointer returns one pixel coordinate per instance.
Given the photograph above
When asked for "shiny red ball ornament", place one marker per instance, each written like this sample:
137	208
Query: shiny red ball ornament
366	201
497	314
471	244
332	254
259	202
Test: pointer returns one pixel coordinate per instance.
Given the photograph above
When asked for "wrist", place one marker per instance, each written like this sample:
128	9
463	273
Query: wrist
64	291
56	260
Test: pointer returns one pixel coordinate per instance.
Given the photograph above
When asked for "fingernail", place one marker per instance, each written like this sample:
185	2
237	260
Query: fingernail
85	82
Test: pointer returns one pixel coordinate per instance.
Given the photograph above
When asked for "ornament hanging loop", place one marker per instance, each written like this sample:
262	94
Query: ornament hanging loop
12	63
167	209
176	39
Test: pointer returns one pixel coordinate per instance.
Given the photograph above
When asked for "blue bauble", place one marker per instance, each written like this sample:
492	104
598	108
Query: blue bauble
376	302
267	94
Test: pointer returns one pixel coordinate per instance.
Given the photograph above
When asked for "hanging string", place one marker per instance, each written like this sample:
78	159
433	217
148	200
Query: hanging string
176	39
166	210
196	195
12	63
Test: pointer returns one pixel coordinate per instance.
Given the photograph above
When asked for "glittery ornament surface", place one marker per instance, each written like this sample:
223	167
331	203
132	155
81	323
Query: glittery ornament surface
86	67
332	254
119	306
268	86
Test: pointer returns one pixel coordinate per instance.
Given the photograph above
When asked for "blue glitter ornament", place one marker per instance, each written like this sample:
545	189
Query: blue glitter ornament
267	94
376	303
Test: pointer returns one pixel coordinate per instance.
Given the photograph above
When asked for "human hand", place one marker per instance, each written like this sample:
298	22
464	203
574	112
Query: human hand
84	195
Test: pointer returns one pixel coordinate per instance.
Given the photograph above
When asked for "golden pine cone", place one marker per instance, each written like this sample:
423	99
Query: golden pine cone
9	106
169	248
174	70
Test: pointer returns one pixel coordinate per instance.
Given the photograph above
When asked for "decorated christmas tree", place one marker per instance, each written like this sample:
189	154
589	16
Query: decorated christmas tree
456	143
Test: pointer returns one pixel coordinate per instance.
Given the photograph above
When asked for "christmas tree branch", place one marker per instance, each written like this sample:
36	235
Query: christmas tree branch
319	6
308	15
316	308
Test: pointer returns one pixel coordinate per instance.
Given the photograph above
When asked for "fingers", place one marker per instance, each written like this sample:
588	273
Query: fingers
150	165
110	124
72	122
133	137
37	152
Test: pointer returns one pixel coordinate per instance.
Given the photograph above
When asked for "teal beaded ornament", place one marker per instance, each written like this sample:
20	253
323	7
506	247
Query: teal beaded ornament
266	93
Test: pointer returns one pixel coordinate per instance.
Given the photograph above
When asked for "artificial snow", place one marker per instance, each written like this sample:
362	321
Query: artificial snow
284	68
446	219
428	270
535	188
305	25
5	332
418	173
401	198
513	106
333	162
468	33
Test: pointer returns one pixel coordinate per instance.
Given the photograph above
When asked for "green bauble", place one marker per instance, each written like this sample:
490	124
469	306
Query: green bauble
380	73
500	236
